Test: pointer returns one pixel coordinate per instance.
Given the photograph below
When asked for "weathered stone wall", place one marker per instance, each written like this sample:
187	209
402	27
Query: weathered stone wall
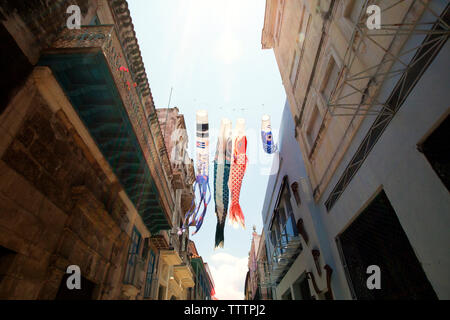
57	208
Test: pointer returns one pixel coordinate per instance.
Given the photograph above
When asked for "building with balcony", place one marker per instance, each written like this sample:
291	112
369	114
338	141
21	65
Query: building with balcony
204	283
86	178
175	273
370	107
176	141
264	291
252	284
257	286
289	263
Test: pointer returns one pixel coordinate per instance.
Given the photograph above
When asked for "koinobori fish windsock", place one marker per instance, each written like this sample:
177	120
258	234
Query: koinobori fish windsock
222	163
267	136
202	175
237	171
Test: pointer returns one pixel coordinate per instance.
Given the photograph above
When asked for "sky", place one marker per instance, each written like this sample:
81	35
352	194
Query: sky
209	52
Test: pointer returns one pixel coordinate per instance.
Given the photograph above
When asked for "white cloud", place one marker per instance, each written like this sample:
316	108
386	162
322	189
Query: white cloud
228	273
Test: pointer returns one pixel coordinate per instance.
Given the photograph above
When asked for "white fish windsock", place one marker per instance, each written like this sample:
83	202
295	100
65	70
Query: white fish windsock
222	163
202	175
267	136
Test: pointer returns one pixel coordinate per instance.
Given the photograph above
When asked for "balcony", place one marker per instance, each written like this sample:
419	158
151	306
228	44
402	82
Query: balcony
90	66
170	257
179	175
184	274
286	249
160	241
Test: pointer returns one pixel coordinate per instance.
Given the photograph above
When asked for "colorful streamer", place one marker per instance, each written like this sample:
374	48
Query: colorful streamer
222	163
269	145
202	177
238	167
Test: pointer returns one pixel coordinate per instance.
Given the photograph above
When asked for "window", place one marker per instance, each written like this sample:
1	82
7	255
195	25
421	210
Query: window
283	228
437	151
301	35
298	54
376	237
313	126
279	20
330	79
353	10
133	256
294	67
161	292
350	16
301	288
149	278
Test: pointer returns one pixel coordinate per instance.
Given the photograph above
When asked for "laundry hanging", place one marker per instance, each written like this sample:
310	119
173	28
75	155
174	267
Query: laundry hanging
237	171
192	217
222	163
269	145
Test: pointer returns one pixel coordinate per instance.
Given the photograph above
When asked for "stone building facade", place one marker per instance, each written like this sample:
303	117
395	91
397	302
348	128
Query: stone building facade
257	286
204	283
265	291
176	273
369	138
253	281
85	176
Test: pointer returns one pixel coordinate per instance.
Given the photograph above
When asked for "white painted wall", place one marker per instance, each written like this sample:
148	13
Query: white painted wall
293	166
420	199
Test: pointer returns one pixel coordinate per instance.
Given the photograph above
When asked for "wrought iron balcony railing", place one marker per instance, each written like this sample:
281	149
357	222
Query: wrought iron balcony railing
286	249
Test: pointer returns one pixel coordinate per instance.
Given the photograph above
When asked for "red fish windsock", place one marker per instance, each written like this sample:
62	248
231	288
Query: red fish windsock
238	167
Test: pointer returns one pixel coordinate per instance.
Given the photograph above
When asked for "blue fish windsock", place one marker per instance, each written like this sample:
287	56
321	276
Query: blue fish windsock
269	144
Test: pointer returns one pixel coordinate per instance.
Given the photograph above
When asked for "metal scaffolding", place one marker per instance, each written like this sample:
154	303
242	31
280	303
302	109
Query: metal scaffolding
395	63
408	74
